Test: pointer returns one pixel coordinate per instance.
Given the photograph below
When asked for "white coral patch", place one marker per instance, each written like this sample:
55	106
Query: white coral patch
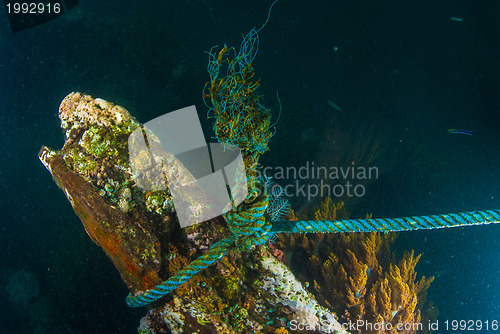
289	291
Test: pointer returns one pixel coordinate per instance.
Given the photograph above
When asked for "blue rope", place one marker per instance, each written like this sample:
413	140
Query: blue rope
252	222
216	252
389	224
252	227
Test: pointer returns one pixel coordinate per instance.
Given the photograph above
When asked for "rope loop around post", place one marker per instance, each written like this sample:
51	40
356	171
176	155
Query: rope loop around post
250	220
250	226
259	229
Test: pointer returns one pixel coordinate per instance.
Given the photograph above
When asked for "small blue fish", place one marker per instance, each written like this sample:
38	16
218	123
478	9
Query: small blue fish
461	131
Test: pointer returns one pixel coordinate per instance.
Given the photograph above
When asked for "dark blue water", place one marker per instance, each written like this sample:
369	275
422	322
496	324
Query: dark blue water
402	73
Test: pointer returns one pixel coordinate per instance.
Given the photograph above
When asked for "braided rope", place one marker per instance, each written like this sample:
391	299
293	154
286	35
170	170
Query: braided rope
250	221
251	226
388	224
217	251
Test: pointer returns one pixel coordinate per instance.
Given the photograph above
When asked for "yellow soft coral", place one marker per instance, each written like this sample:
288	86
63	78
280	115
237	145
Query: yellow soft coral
357	276
356	287
327	210
281	330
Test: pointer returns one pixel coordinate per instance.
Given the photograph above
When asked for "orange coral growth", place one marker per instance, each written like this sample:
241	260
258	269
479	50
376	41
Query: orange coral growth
356	285
328	210
98	219
281	330
357	276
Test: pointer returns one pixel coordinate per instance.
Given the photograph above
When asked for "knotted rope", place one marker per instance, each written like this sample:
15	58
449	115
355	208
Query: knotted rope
250	221
241	120
251	226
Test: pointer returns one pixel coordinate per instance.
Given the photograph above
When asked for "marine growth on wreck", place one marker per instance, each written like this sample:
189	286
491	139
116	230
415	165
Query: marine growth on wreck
232	274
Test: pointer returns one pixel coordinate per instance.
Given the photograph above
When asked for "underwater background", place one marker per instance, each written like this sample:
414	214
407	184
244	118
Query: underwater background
353	76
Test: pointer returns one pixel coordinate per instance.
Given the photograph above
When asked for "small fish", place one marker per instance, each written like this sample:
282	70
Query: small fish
333	105
461	131
457	19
